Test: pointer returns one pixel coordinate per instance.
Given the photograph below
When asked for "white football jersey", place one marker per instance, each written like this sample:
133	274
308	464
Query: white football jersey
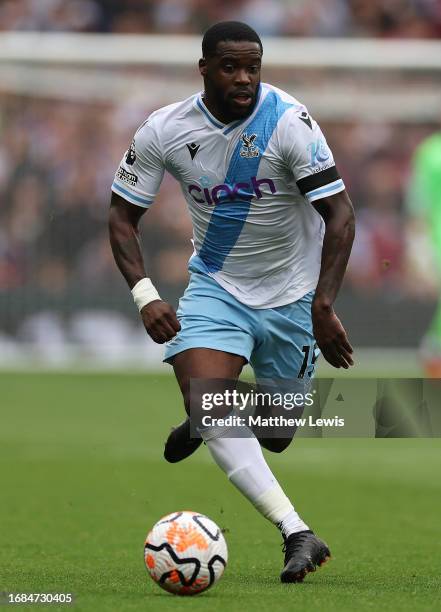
249	187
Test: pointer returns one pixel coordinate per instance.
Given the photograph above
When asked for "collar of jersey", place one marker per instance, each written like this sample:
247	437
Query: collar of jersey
225	127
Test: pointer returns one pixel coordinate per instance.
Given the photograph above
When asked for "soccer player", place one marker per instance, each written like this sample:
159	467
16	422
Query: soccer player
273	230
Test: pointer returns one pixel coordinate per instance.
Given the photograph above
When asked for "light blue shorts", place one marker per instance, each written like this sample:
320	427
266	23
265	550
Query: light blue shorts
277	342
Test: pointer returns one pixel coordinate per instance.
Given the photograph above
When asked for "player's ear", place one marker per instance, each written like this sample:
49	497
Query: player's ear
203	66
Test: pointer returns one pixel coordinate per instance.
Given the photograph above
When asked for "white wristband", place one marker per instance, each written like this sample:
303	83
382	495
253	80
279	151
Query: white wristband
144	292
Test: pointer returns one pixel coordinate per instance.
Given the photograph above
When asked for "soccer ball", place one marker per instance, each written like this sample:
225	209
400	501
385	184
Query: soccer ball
185	553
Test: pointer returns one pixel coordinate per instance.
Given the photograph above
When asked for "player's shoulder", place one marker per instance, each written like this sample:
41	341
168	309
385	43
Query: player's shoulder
295	115
281	94
293	105
167	118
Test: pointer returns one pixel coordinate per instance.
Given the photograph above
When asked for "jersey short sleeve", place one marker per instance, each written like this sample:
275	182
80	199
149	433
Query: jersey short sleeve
309	157
140	172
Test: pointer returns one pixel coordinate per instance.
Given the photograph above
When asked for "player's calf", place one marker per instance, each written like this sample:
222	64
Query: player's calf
180	444
275	445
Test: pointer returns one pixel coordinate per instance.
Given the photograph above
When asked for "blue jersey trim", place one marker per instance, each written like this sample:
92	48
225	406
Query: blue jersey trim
233	127
229	215
325	189
118	188
207	114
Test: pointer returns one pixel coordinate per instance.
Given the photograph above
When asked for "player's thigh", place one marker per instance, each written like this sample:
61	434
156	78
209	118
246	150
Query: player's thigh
219	368
211	318
216	336
288	350
283	364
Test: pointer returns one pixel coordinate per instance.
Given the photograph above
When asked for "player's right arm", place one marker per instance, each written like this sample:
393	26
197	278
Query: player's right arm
137	181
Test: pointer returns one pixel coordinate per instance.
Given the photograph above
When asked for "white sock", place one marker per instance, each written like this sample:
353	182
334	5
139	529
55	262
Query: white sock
243	462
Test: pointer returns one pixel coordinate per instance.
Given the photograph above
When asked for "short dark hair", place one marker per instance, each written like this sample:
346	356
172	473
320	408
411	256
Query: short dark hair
228	30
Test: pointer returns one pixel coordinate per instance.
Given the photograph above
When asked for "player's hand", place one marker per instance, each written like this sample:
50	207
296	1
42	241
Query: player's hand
331	337
160	321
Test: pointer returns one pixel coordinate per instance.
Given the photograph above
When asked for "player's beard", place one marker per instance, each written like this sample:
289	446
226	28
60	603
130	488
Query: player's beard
244	112
225	103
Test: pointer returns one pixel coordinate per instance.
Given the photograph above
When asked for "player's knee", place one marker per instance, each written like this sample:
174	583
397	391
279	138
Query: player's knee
275	445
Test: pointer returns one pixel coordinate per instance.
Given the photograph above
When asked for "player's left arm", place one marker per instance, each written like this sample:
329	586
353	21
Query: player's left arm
338	215
311	162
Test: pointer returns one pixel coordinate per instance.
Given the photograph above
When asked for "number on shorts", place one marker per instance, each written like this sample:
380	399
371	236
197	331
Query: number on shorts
306	349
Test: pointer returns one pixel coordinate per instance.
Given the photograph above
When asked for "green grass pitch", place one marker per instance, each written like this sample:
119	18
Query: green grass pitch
83	480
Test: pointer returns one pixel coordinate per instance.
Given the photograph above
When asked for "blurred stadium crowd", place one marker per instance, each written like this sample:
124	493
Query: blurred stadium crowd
391	18
58	158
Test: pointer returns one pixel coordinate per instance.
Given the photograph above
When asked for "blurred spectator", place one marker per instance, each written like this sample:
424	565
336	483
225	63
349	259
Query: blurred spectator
55	15
395	18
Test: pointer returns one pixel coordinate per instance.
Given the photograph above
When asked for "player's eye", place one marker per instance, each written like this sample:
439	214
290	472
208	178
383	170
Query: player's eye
253	69
228	68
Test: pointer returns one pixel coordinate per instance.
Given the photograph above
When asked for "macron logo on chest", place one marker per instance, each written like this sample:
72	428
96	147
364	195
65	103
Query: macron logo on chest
224	193
193	148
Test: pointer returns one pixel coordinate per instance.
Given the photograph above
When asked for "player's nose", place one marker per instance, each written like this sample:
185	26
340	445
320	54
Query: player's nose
242	77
